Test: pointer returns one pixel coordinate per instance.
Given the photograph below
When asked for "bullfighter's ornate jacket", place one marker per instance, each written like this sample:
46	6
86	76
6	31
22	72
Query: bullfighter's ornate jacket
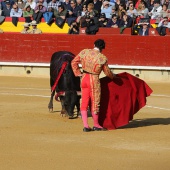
93	62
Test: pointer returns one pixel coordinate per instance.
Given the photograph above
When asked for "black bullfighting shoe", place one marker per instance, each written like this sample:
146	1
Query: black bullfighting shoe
99	129
87	129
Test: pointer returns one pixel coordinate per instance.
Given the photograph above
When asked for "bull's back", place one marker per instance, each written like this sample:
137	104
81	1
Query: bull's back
67	81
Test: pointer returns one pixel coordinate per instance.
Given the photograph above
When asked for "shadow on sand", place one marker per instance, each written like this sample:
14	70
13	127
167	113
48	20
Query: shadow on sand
74	117
134	123
147	122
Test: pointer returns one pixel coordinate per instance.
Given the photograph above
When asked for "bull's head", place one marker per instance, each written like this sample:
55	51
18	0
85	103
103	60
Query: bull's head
68	101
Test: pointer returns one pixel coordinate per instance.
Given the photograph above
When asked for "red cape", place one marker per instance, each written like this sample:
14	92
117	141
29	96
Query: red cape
121	98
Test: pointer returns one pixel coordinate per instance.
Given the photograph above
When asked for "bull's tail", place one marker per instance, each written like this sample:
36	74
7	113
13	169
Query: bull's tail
50	105
59	75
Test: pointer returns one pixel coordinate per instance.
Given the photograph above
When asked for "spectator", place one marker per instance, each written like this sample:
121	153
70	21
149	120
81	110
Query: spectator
4	2
137	3
117	3
150	5
86	22
83	14
145	10
140	11
107	8
15	14
91	11
67	5
125	22
34	29
87	1
38	12
147	2
113	11
31	3
61	13
44	3
97	5
162	26
79	4
15	11
74	28
91	26
142	28
165	12
21	4
114	22
128	2
156	11
2	18
28	13
26	29
84	11
73	13
132	12
53	5
103	20
121	9
167	2
6	11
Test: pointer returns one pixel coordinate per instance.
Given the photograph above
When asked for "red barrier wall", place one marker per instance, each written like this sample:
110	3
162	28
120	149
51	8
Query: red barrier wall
120	49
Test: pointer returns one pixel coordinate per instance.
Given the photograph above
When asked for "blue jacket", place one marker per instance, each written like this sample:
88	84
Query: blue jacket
141	32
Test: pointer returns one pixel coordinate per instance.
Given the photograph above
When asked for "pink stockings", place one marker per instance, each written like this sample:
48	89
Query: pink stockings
85	119
95	120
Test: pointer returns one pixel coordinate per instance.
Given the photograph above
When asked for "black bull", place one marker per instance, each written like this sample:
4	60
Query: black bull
68	85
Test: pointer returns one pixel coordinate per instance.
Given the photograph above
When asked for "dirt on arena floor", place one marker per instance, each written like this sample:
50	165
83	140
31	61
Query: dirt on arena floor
31	138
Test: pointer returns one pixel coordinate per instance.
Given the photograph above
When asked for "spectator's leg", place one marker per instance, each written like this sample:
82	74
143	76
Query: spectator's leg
35	15
28	19
163	31
39	16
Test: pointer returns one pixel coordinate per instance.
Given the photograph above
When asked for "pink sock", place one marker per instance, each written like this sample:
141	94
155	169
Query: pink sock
84	118
95	120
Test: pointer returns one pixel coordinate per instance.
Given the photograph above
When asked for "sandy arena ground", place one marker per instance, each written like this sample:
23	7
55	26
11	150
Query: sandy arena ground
31	138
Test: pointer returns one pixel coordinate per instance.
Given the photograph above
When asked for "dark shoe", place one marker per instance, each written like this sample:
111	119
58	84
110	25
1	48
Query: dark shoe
99	129
87	129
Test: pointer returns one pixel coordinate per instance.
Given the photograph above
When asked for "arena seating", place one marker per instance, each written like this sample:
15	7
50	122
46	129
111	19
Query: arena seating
8	27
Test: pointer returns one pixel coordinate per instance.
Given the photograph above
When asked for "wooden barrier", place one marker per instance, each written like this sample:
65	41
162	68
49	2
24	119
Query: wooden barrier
168	32
120	50
153	32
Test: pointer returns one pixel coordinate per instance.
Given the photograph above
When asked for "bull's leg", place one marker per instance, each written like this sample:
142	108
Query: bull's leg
71	111
63	109
50	105
78	106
